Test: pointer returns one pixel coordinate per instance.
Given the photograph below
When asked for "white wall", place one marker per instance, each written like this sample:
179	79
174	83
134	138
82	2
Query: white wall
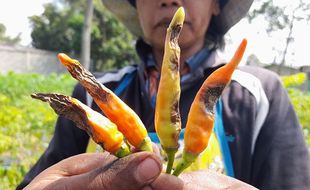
28	60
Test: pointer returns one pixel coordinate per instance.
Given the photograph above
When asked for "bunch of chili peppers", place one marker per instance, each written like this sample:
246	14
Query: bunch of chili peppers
122	128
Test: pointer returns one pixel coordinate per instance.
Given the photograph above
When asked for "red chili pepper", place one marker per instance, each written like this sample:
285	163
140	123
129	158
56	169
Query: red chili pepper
99	128
200	121
127	121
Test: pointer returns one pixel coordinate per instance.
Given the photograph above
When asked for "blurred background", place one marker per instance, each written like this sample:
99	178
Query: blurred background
32	32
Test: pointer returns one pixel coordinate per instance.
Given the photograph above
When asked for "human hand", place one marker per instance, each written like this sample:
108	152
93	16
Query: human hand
137	171
199	180
100	171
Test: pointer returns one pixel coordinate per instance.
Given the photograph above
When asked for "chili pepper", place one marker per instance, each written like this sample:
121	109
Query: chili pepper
200	121
98	127
127	121
167	114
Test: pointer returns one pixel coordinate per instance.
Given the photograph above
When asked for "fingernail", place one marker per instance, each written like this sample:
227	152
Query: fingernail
147	170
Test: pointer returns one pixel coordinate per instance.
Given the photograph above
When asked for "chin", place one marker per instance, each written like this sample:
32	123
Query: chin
186	43
157	41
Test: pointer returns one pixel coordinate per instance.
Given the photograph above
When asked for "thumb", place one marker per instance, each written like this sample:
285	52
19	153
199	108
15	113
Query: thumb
132	172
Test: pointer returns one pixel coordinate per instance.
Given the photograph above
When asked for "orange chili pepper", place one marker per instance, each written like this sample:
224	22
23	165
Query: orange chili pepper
200	121
99	128
167	114
127	121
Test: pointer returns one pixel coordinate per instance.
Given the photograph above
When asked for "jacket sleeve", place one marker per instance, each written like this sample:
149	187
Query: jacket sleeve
281	157
68	140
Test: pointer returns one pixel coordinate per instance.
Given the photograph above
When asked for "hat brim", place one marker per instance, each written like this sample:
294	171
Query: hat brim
232	13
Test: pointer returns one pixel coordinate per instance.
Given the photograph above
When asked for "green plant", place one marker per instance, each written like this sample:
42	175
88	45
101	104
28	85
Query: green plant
300	100
26	125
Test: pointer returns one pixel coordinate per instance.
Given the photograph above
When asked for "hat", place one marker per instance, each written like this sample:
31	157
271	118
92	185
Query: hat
232	11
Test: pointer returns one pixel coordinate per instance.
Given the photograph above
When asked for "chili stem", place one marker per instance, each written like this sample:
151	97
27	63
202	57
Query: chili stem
170	156
186	161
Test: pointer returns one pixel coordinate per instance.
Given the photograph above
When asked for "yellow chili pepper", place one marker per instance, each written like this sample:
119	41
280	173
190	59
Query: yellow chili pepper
167	114
99	128
127	121
200	121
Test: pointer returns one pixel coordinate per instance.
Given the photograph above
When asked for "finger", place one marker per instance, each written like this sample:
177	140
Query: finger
156	149
84	163
75	165
132	172
167	182
200	180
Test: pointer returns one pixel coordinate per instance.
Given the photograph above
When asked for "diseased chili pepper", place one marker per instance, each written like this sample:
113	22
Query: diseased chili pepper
200	121
167	114
98	127
112	106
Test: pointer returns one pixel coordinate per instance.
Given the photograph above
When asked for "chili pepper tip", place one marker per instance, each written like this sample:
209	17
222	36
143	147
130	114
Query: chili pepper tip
66	60
178	17
239	54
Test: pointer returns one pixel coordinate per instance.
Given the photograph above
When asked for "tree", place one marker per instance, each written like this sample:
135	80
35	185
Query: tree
281	18
86	34
57	30
4	39
60	28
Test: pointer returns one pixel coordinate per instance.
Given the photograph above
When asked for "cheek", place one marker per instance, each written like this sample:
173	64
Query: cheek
199	14
200	24
146	28
143	23
193	33
201	28
144	18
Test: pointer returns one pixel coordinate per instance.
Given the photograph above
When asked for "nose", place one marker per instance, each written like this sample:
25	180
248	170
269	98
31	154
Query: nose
170	3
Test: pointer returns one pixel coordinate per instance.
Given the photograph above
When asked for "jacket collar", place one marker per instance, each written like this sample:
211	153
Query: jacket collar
205	58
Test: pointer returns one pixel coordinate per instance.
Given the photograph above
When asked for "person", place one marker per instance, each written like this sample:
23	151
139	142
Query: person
257	137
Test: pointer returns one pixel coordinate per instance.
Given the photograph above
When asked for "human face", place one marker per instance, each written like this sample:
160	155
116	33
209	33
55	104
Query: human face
155	16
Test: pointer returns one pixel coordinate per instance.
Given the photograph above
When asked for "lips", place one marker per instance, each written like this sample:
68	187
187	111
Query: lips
164	22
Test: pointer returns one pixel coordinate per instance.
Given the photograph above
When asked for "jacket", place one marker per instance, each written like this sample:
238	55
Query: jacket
266	147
